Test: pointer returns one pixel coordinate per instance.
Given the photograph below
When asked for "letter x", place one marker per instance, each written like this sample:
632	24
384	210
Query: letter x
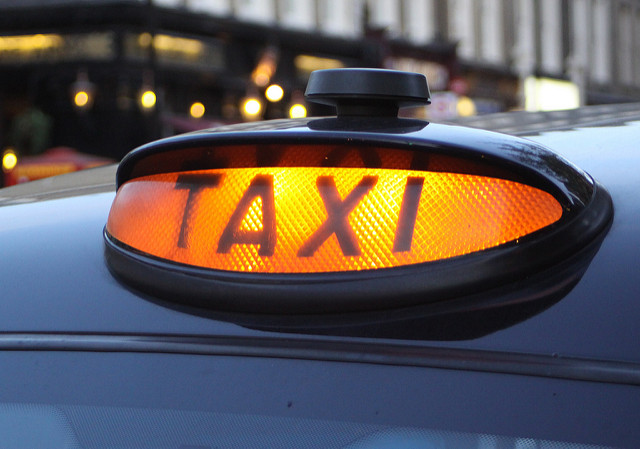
338	211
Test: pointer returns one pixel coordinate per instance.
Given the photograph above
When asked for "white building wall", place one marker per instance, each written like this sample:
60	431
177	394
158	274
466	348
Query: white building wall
581	19
478	26
551	58
601	42
340	18
213	7
419	18
297	14
462	27
580	57
492	31
636	46
386	14
258	11
625	60
525	39
169	3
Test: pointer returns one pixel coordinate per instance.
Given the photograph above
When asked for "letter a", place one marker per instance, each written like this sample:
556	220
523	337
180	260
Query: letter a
261	186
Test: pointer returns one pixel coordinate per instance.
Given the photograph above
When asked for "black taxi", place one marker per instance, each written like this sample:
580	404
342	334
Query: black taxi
357	281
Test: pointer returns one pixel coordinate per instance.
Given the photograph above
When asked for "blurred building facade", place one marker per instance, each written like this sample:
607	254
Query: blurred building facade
85	64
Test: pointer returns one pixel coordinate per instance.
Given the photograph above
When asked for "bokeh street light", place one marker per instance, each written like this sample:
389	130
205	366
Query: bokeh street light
251	108
197	110
82	91
297	111
9	160
81	99
148	99
274	93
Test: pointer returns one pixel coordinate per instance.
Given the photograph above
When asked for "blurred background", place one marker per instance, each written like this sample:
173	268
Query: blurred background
104	76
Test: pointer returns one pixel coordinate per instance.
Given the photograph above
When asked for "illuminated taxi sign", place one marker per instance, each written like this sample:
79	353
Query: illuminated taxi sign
364	212
322	219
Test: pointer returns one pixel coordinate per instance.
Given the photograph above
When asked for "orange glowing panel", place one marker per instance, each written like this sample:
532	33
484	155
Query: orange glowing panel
316	219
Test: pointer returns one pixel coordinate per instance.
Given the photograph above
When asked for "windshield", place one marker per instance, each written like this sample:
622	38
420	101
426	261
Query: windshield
144	400
42	426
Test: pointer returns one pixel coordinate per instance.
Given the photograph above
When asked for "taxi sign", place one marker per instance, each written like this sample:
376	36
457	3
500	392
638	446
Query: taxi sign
358	213
322	219
374	225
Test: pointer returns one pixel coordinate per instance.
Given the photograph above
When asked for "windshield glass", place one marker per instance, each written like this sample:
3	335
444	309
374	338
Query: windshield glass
142	400
43	426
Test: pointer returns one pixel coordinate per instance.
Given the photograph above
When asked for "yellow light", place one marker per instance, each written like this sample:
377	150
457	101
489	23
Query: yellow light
29	43
297	111
31	172
163	42
466	107
9	160
261	78
322	219
308	63
274	93
266	67
546	94
196	110
148	99
252	107
145	39
81	99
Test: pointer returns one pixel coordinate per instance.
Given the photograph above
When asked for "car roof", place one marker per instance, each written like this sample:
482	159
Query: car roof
525	123
53	266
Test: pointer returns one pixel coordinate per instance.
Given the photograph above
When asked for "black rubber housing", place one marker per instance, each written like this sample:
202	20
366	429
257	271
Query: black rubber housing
367	92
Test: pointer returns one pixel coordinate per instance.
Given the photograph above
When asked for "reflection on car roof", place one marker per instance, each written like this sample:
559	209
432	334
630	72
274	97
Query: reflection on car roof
523	123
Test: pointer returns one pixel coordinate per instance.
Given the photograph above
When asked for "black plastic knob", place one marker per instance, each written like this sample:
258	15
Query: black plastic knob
367	92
